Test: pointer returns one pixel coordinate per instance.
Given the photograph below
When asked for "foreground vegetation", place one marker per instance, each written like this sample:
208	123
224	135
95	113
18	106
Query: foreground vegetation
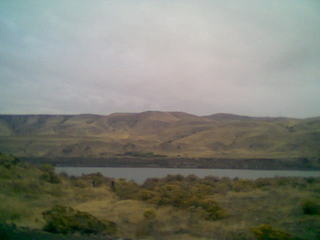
50	206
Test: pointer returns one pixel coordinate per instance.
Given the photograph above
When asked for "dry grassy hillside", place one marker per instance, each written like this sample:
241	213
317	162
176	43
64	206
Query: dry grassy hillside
166	133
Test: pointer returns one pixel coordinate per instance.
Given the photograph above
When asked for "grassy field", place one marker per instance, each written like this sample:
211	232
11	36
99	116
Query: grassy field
174	207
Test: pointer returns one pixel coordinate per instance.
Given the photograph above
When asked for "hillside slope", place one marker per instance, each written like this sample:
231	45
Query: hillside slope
174	134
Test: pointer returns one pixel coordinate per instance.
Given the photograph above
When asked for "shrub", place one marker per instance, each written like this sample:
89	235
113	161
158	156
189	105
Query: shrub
49	175
146	195
8	161
46	167
4	235
67	220
210	209
266	232
96	179
172	194
126	189
184	195
310	207
8	214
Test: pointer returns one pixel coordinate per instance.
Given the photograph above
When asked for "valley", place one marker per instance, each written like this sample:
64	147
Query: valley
164	139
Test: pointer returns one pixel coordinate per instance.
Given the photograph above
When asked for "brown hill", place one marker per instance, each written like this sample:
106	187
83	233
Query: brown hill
166	133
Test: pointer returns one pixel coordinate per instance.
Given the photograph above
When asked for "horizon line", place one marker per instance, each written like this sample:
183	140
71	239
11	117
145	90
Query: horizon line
99	114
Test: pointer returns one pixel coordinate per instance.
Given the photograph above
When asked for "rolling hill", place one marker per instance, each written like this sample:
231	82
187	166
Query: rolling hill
152	133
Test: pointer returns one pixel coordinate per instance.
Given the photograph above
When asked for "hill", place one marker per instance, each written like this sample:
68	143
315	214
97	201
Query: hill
154	133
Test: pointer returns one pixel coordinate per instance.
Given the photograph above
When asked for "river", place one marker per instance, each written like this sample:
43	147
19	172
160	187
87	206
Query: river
139	175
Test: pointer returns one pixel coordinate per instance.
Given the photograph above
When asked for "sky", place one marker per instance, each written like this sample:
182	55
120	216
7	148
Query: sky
248	57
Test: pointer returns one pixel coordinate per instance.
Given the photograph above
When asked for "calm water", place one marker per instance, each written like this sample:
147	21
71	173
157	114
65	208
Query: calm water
141	174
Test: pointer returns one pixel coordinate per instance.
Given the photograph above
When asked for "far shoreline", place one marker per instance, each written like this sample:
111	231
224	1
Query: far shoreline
295	164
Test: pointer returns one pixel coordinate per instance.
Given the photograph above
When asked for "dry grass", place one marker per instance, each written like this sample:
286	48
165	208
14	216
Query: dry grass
164	133
277	202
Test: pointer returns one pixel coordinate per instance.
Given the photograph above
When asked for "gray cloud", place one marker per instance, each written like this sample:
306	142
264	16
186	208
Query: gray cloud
246	56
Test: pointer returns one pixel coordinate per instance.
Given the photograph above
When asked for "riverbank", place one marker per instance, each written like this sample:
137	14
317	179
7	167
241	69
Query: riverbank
165	162
171	208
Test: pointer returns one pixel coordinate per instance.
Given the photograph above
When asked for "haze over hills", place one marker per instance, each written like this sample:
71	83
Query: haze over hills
173	134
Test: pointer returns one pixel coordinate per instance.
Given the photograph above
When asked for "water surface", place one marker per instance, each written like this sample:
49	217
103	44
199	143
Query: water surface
141	174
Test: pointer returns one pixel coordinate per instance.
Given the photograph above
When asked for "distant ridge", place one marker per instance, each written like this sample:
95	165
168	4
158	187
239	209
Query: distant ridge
153	112
229	116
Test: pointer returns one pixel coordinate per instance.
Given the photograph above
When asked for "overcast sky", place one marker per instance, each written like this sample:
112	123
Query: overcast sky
250	57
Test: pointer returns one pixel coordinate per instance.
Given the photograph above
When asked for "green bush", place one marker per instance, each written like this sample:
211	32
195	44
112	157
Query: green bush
172	194
8	161
49	175
8	214
67	220
210	209
184	193
146	195
4	235
126	189
267	232
310	207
